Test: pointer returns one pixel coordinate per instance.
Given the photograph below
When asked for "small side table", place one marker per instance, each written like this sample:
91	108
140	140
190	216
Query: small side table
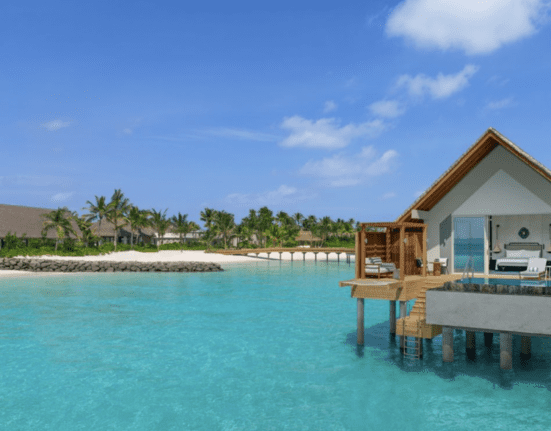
547	272
436	268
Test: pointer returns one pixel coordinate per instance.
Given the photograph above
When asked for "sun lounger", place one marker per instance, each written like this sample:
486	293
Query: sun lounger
374	266
536	268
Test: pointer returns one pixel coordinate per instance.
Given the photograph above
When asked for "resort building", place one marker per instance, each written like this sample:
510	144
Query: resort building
487	217
29	221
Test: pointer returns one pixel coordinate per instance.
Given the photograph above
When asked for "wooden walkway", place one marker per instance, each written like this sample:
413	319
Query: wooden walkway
269	250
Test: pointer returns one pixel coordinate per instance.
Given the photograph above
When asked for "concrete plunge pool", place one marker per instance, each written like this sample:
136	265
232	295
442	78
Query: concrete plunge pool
506	306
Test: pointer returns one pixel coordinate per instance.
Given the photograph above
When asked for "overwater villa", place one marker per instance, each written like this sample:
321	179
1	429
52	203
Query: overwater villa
472	251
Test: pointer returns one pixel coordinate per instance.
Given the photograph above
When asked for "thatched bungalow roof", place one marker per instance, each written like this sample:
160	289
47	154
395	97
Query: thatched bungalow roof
306	236
19	220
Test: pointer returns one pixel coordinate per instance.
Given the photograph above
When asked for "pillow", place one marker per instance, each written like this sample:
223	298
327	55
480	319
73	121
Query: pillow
515	253
533	253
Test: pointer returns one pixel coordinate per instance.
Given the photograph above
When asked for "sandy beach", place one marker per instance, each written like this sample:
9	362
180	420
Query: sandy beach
173	256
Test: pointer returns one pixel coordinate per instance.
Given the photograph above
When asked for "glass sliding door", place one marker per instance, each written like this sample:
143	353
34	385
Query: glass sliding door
468	241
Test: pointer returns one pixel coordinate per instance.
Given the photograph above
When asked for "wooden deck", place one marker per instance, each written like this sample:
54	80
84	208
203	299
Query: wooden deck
412	287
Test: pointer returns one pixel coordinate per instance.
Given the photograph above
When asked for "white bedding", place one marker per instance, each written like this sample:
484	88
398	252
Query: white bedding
512	261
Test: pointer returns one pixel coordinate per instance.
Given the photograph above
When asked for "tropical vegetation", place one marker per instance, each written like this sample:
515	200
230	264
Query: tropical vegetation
87	234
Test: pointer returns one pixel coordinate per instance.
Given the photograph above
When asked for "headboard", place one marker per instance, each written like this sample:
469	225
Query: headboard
531	246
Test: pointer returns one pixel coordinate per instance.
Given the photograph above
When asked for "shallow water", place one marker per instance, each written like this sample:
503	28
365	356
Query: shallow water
266	346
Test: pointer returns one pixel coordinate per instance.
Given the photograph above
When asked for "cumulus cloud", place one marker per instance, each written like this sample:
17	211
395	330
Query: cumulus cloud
329	106
281	196
387	108
341	170
438	88
61	197
54	125
499	104
326	132
473	26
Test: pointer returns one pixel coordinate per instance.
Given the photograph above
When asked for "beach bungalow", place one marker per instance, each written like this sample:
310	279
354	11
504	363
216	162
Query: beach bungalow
488	216
23	220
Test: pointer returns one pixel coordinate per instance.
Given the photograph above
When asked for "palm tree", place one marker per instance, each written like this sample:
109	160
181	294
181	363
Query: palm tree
60	220
207	216
85	227
117	212
252	223
224	223
309	222
265	219
138	219
182	226
98	211
160	223
298	218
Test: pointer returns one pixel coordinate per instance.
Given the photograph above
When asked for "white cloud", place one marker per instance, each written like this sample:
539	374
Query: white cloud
248	135
61	197
387	108
418	193
329	106
281	196
388	195
54	125
127	131
438	88
500	104
326	132
342	171
473	26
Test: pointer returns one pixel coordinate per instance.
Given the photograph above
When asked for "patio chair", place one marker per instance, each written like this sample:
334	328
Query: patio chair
375	266
536	268
443	264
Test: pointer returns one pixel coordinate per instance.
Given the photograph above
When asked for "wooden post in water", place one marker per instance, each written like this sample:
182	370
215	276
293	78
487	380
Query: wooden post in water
316	256
525	344
327	257
403	314
304	256
506	350
292	253
488	339
338	257
280	253
447	344
360	321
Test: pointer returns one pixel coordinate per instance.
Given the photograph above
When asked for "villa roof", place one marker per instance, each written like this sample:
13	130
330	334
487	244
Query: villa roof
462	166
19	220
306	235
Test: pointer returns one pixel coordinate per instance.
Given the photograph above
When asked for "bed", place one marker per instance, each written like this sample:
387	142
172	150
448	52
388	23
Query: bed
518	253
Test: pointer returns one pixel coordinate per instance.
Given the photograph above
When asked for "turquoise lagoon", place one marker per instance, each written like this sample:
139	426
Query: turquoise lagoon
264	346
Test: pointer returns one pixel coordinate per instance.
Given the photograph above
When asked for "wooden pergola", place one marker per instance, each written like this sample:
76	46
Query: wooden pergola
400	243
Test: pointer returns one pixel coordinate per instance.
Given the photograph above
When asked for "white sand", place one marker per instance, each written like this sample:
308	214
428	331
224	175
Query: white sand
174	256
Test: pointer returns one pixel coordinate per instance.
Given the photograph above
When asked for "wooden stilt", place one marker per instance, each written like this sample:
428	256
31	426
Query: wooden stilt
392	318
488	339
403	313
360	321
525	346
506	350
292	253
447	344
327	257
304	256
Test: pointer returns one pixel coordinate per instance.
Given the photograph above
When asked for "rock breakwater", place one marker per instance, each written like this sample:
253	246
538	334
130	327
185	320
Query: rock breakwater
47	265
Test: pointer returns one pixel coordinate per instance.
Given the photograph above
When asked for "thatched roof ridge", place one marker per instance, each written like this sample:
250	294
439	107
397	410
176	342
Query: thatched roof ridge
19	219
306	235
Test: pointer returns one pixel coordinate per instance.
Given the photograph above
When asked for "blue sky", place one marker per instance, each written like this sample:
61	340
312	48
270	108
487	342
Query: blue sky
346	110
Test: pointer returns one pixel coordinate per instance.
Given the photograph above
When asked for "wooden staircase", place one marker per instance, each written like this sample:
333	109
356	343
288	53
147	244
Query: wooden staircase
415	324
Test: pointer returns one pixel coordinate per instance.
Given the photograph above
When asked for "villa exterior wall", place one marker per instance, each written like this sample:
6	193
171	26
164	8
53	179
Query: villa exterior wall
490	312
498	159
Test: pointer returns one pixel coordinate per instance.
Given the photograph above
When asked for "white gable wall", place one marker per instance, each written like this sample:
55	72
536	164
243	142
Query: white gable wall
464	195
